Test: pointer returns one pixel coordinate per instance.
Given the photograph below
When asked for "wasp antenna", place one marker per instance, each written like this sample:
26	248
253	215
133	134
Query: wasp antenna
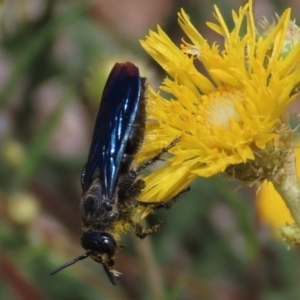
109	274
72	262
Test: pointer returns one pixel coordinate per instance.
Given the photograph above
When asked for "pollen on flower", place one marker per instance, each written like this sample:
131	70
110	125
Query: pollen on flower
190	49
218	108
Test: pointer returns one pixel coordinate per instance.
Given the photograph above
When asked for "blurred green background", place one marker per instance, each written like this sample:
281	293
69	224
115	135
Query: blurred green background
54	60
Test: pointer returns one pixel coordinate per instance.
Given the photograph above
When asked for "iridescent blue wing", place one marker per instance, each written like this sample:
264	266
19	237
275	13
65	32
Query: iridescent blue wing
116	115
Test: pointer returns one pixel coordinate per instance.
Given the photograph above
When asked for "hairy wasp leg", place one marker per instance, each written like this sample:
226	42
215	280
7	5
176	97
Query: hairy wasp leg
143	232
128	186
156	157
136	188
131	188
166	204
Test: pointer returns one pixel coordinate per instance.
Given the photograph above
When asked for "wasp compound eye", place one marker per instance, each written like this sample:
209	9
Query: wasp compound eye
108	245
99	242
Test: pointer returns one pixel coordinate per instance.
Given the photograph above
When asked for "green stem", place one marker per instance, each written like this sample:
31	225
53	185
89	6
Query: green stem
287	185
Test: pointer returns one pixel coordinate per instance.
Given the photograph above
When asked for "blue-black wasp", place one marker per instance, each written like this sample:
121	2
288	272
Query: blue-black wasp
110	184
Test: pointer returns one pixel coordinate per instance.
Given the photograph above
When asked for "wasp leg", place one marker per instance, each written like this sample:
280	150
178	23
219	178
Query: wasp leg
166	204
143	232
136	188
131	188
156	157
128	185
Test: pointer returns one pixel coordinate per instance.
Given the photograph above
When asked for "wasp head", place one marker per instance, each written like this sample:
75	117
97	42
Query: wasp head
101	246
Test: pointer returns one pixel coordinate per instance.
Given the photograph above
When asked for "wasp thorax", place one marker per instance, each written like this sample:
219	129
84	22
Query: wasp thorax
96	242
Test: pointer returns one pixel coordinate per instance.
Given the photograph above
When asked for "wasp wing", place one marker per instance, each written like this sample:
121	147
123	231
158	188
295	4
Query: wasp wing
116	115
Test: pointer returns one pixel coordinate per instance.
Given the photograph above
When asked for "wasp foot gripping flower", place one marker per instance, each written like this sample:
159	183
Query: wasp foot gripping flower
231	118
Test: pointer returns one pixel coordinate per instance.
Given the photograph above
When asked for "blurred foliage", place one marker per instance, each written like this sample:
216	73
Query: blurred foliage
54	58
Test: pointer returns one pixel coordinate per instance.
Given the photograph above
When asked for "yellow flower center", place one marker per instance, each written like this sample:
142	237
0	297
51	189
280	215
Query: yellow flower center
218	109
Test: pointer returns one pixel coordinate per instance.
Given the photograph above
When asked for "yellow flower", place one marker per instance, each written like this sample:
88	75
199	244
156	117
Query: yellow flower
270	207
224	115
